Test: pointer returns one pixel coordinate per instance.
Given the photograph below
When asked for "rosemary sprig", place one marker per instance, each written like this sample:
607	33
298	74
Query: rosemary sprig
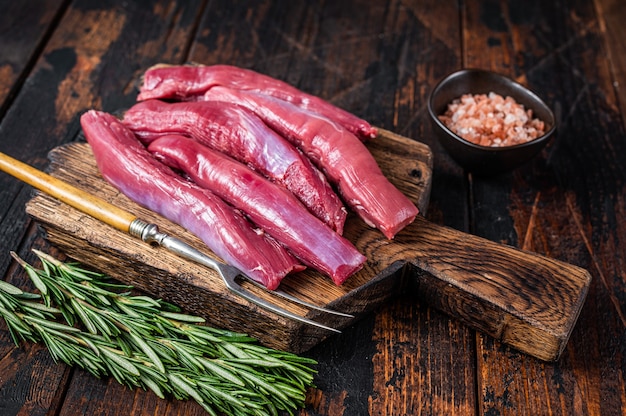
86	319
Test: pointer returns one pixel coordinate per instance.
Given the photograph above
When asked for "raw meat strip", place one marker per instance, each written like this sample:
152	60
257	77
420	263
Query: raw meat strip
240	134
127	165
344	159
189	82
270	206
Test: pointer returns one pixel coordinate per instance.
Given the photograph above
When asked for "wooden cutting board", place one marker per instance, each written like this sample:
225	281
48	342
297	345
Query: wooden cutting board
525	300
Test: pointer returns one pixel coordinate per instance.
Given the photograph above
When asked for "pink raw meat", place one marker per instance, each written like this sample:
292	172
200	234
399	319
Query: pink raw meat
269	206
240	134
344	159
187	83
237	132
127	165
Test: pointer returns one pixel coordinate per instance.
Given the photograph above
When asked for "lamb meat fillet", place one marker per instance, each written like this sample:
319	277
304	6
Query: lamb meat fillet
240	134
187	83
343	158
270	206
125	163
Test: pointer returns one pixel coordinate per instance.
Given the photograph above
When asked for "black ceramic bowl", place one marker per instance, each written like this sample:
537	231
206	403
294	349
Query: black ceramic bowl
482	159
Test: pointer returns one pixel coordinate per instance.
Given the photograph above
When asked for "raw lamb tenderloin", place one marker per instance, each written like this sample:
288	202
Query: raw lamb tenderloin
190	82
343	158
271	207
240	134
125	163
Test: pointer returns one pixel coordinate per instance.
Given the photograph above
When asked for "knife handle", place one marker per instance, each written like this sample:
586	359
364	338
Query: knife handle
64	192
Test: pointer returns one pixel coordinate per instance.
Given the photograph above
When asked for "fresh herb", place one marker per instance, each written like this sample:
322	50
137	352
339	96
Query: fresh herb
87	320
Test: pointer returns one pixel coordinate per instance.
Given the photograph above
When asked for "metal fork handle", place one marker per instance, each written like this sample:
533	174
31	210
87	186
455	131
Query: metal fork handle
150	233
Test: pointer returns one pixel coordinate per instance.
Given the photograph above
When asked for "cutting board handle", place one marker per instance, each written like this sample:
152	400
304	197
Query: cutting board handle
528	301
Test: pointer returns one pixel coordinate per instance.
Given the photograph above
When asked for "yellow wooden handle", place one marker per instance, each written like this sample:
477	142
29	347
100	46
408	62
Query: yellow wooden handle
64	192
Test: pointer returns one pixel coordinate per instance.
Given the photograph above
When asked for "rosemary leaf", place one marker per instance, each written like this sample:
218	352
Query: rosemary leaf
9	288
35	306
83	316
105	328
17	328
120	360
186	385
92	322
264	385
186	358
181	317
34	277
222	395
152	385
89	343
51	325
148	351
217	367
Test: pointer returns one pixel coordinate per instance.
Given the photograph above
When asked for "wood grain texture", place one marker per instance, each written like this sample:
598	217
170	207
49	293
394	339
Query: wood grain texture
527	301
380	60
23	29
89	396
610	19
86	60
202	291
533	43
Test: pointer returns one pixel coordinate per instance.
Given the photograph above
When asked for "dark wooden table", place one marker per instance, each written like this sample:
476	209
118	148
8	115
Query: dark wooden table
380	60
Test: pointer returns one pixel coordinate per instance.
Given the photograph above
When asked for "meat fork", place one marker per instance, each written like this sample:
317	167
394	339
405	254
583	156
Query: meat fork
149	233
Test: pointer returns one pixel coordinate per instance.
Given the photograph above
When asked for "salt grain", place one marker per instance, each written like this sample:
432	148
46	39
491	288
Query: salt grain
491	120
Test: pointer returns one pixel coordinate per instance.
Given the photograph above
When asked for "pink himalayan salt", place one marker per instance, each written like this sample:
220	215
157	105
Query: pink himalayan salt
491	120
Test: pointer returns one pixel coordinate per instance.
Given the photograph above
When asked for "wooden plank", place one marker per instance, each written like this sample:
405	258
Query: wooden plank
557	202
87	395
527	301
201	290
23	29
610	18
425	360
29	375
412	346
379	60
88	61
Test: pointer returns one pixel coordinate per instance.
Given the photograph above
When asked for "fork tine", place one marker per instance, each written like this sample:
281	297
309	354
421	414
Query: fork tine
291	298
299	301
229	280
151	234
